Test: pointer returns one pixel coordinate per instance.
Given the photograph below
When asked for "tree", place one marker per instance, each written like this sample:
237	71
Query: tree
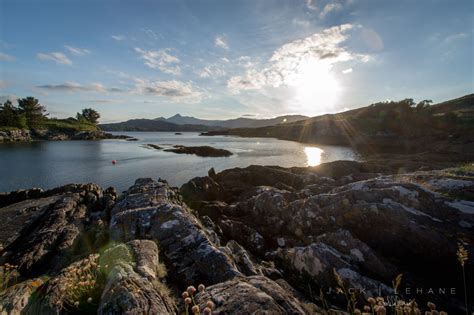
423	104
34	112
89	115
10	116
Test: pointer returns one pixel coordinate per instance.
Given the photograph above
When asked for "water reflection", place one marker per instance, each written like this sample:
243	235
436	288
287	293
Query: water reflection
50	164
313	155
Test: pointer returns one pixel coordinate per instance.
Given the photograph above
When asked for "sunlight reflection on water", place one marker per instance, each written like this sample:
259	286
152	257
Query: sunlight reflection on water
313	155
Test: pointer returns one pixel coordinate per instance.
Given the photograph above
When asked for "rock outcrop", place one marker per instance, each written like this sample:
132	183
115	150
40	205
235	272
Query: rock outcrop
15	135
204	151
152	210
343	216
262	239
24	135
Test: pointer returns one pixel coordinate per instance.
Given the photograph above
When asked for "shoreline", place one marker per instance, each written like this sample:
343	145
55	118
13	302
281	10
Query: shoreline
26	135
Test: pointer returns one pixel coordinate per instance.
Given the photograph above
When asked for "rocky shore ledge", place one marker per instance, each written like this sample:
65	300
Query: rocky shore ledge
25	135
266	239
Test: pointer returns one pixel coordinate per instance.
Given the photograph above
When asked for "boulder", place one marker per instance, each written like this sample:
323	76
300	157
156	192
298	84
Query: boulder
152	210
250	295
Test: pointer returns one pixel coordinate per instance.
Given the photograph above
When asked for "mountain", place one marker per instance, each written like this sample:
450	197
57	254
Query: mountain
152	125
186	123
233	123
396	127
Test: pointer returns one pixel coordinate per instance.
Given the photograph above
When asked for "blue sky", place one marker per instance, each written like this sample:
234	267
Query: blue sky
224	59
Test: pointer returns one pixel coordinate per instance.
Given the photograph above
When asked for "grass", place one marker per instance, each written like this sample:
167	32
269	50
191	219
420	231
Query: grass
63	125
464	169
66	125
82	284
8	276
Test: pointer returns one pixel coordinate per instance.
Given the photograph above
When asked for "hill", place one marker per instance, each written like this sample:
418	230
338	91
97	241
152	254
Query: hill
152	125
383	127
233	123
187	123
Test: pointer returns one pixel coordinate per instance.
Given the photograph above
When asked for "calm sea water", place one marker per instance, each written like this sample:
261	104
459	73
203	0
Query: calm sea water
51	164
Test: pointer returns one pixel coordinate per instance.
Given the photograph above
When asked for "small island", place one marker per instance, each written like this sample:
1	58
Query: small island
203	151
152	146
29	121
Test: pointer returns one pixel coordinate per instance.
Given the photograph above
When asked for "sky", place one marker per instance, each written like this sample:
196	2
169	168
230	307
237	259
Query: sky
221	59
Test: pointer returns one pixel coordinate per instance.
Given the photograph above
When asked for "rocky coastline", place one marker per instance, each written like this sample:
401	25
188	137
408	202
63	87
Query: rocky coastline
260	238
26	135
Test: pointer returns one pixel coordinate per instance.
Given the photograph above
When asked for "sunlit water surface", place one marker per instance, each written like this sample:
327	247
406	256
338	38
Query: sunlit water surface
51	164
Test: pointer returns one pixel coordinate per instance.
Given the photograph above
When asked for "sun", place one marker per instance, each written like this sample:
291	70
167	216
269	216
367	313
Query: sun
316	89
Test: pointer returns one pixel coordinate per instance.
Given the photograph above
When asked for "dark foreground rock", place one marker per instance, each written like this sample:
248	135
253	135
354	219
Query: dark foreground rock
262	239
348	217
204	151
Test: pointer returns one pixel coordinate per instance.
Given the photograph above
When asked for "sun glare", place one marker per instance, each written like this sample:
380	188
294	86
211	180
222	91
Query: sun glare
313	155
316	88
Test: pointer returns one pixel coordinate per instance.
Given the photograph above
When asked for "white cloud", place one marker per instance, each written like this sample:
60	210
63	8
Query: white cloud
311	5
161	60
318	52
455	37
118	37
77	51
301	23
252	80
221	42
213	70
347	71
173	90
57	57
76	87
152	33
328	8
6	57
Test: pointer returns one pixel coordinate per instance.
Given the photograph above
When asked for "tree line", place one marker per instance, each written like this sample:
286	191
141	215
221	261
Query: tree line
31	114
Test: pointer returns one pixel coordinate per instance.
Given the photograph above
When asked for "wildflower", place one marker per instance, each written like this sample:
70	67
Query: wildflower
210	305
89	300
191	290
195	309
366	308
431	305
188	300
76	304
207	311
185	294
357	311
201	287
371	300
35	283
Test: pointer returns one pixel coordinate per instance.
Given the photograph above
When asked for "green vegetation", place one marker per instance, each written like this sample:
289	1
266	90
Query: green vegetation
88	115
11	116
30	114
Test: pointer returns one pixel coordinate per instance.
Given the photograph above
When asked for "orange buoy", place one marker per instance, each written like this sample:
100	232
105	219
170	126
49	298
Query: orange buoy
114	162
